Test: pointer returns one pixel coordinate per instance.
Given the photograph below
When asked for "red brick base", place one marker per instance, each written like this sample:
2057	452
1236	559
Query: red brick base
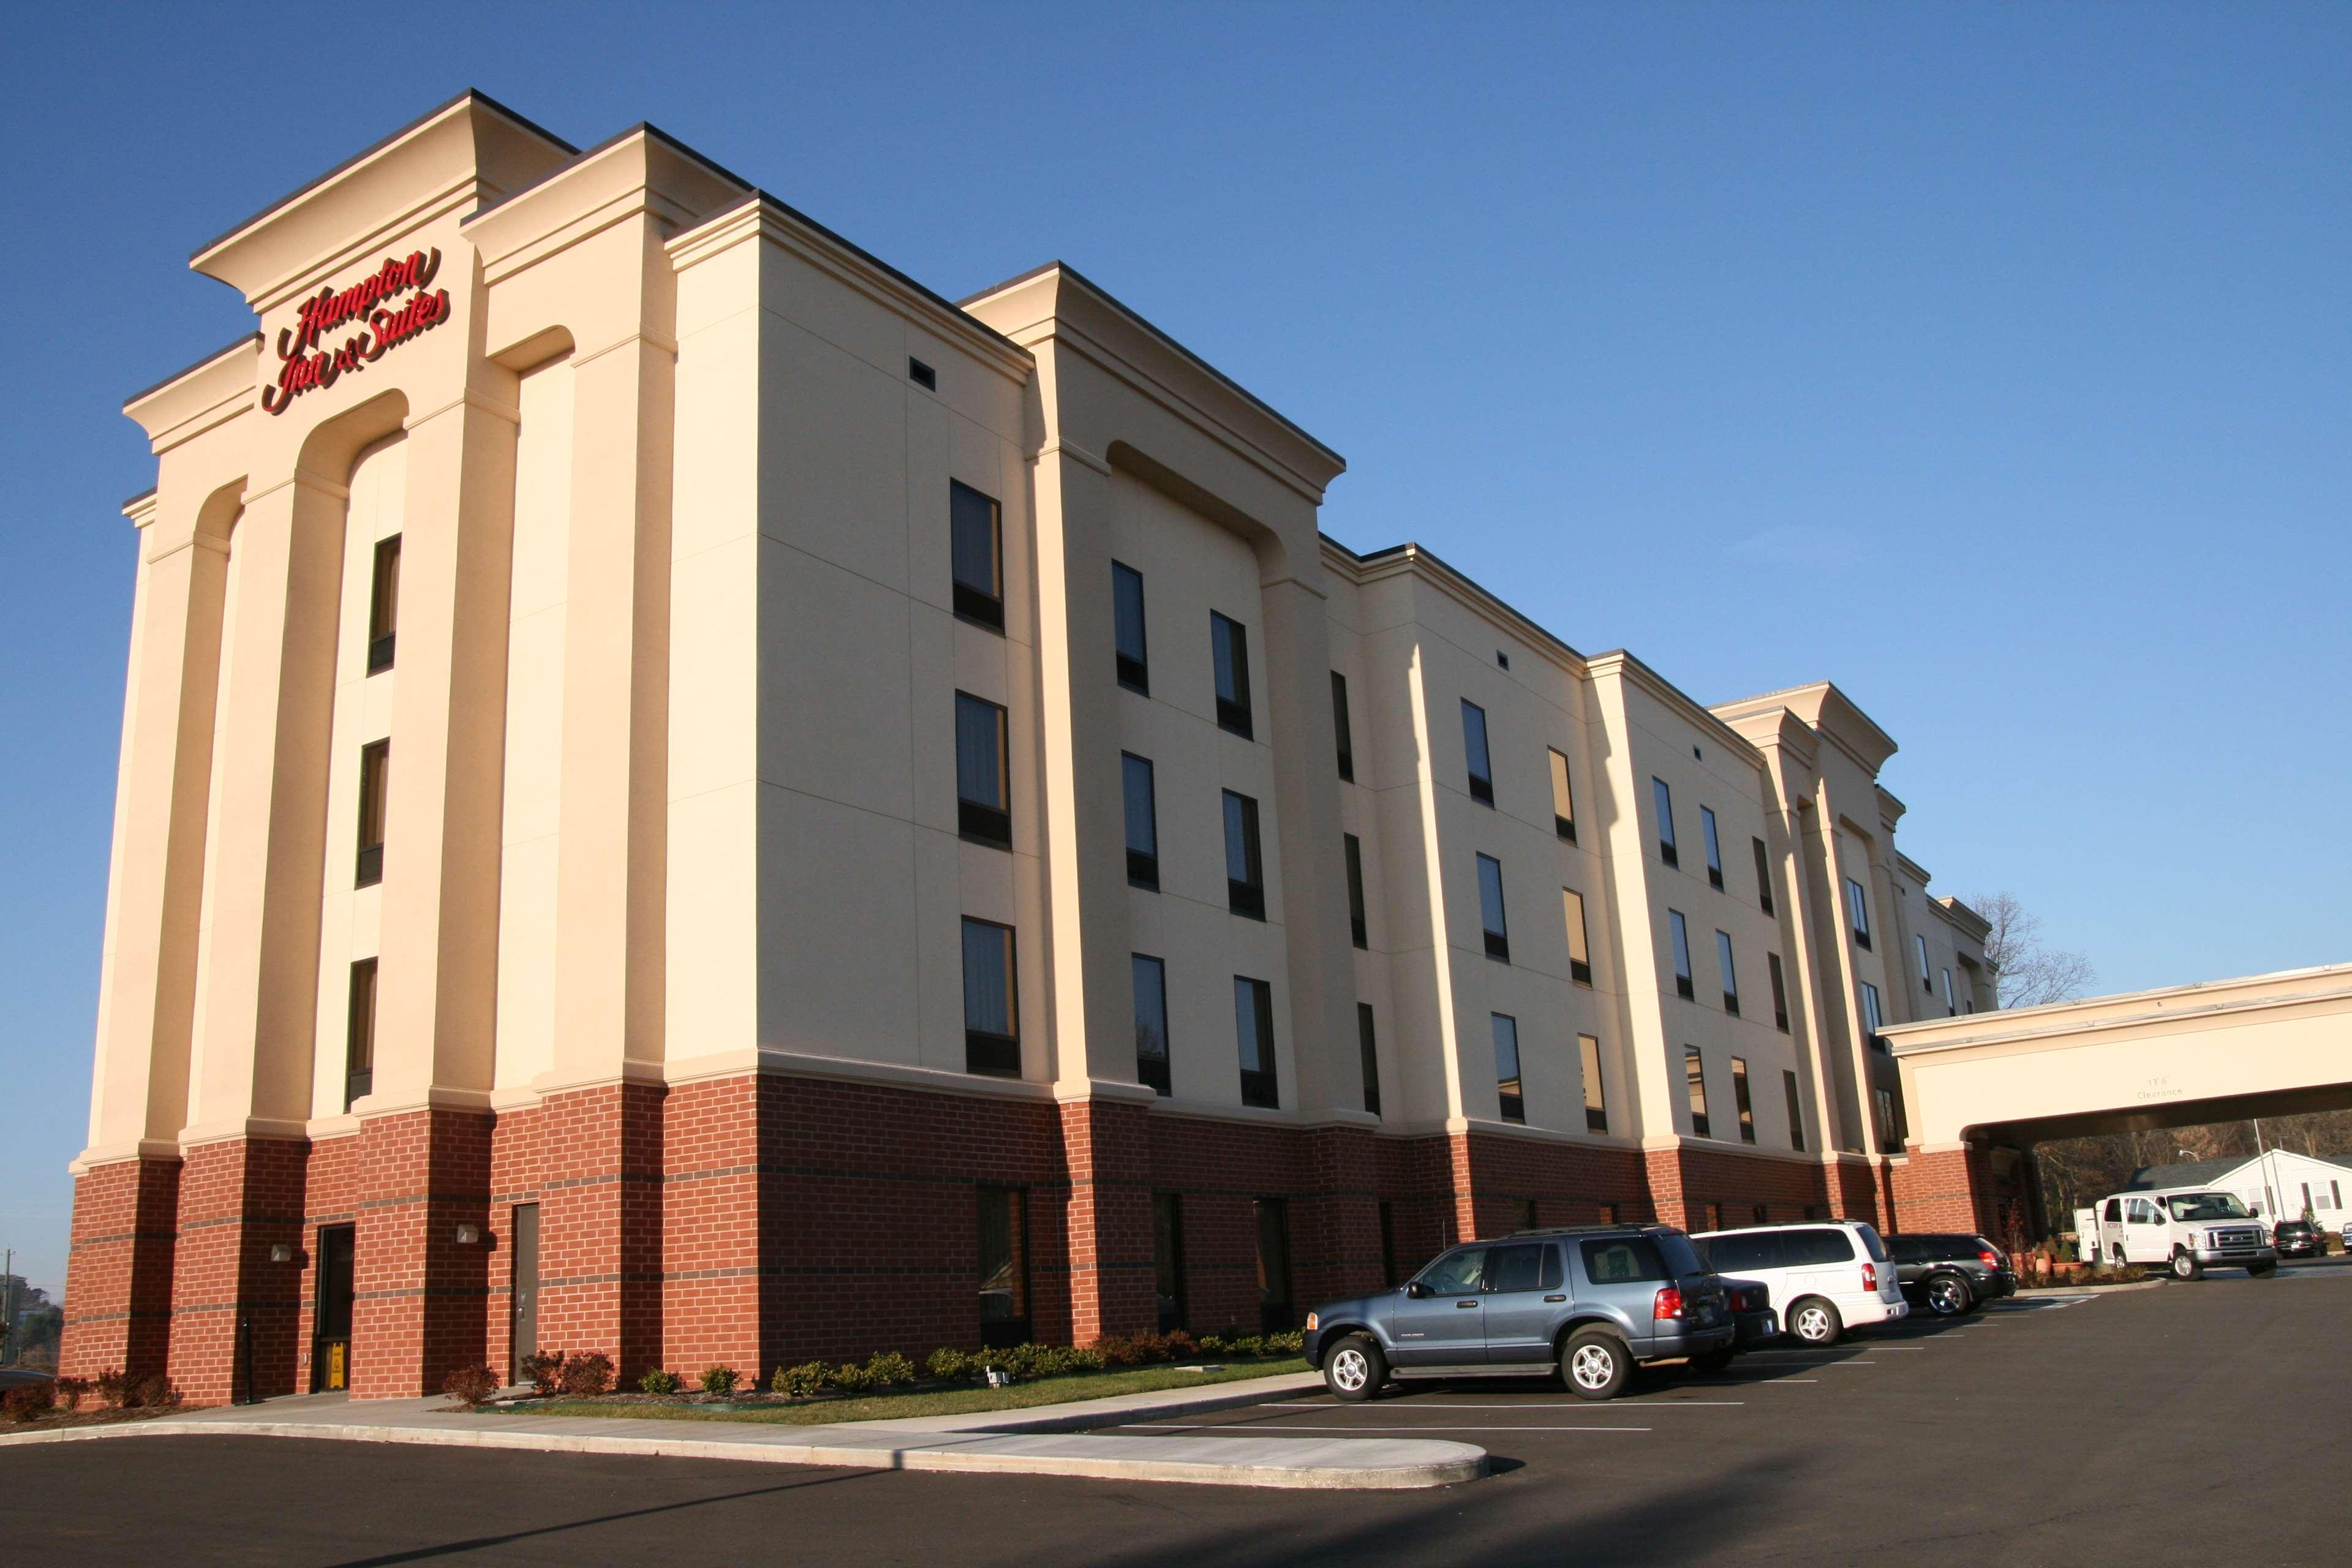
119	1272
755	1222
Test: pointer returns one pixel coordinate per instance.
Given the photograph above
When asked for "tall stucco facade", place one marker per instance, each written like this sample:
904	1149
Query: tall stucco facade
673	792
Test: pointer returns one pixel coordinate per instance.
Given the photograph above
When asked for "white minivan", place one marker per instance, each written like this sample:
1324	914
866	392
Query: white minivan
1825	1276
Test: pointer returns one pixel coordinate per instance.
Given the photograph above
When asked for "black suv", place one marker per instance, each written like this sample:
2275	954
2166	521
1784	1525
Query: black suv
2299	1238
1949	1275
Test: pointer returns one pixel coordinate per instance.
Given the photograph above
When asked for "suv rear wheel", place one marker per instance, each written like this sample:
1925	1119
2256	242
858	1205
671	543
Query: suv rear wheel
1815	1322
1594	1364
1948	1295
1355	1369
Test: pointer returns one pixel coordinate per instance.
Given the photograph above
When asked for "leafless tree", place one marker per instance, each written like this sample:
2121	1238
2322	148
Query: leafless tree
2028	971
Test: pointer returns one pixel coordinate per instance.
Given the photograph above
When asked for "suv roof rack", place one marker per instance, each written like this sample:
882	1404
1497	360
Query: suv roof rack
1595	1229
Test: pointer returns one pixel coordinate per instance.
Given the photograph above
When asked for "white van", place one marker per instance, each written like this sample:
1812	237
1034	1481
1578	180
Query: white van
1825	1278
2185	1230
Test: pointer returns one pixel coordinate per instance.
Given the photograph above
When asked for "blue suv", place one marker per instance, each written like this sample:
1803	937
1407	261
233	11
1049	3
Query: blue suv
1592	1303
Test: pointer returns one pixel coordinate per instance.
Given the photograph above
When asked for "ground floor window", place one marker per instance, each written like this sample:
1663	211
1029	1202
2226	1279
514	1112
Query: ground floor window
1167	1258
1273	1301
1003	1267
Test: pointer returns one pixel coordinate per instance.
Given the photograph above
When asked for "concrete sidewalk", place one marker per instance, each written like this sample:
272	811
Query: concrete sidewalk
1030	1442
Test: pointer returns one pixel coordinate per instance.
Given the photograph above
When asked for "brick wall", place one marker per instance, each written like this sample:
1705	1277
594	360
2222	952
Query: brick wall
1686	1181
119	1270
757	1222
237	1199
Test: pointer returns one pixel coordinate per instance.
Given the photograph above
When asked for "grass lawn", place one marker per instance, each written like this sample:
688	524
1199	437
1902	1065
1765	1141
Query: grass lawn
942	1402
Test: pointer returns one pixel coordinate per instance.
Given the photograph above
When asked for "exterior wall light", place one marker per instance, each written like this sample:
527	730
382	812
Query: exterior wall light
281	1252
468	1234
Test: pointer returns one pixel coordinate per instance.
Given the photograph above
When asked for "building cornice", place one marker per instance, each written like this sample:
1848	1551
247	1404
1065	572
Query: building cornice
1056	303
205	395
762	218
1622	665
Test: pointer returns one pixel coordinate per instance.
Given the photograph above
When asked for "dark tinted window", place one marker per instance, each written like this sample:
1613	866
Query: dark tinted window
1127	628
1744	1252
1909	1249
977	553
1624	1260
1229	657
1518	1268
1871	1244
1681	1253
1808	1248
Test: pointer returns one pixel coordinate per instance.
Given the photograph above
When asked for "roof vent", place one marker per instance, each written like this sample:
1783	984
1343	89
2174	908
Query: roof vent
921	374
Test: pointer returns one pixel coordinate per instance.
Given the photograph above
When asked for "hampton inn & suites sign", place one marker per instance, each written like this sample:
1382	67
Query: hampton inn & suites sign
307	364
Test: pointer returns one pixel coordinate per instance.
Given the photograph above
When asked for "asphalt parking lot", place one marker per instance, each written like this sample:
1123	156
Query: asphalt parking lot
2184	1423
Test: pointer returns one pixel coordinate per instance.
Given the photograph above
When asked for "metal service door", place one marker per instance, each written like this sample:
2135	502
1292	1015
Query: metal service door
330	1346
522	1330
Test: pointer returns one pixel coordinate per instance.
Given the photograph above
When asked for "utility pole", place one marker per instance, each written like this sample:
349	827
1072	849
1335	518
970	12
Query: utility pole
7	1303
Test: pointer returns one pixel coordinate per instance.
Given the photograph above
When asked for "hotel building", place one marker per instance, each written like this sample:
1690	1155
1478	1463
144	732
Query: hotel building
682	795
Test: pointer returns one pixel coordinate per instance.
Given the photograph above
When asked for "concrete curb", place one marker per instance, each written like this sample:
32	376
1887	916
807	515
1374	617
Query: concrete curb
2085	1289
1118	1409
1341	1464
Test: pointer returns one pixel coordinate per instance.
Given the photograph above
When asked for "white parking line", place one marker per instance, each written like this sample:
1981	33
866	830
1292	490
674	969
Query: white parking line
1366	1431
1529	1404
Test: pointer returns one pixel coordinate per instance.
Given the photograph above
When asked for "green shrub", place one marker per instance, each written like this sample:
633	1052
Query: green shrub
800	1382
851	1378
660	1382
719	1379
1018	1361
888	1369
473	1385
951	1365
1291	1343
1214	1345
1087	1358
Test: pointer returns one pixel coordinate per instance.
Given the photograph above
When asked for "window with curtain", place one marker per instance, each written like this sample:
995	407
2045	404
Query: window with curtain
1680	935
1563	799
1142	821
1490	908
984	784
1150	1021
1730	975
1473	746
1714	845
976	549
1229	657
1596	1095
1355	853
1341	728
1510	1094
1127	628
1579	951
376	792
991	1014
1254	1032
1695	1091
1740	1101
1664	799
1245	867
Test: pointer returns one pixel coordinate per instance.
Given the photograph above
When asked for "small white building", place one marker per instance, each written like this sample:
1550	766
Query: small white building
2276	1184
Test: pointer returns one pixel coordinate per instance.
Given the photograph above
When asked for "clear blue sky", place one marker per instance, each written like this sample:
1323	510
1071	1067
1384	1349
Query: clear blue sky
1991	361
